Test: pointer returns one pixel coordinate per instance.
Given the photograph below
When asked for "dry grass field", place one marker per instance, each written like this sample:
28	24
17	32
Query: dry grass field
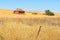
25	27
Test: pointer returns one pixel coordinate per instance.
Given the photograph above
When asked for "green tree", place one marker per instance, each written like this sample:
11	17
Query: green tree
49	13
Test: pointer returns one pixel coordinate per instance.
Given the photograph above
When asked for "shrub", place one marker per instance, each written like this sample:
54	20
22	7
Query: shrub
49	13
34	13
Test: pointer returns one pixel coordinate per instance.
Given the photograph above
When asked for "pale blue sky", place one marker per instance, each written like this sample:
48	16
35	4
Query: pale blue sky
41	5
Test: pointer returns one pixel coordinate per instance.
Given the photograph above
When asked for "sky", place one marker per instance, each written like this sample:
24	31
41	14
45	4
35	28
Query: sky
41	5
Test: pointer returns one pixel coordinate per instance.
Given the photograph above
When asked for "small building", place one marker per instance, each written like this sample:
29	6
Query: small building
18	11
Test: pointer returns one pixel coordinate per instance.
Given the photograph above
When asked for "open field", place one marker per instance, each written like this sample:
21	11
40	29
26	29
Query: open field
25	27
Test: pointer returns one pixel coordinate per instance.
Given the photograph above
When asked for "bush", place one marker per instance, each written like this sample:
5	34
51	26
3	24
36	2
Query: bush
34	13
49	13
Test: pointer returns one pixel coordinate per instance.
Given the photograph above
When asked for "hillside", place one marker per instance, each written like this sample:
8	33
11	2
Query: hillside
25	27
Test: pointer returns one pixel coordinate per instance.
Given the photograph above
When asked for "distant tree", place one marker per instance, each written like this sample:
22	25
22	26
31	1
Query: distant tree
49	13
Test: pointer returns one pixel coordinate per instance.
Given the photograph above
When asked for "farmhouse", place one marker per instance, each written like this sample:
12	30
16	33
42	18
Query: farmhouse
18	11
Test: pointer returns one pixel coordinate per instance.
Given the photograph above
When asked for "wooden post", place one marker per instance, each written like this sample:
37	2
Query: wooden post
39	31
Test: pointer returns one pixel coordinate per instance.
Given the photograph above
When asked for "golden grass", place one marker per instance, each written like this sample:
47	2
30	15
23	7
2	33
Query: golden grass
25	27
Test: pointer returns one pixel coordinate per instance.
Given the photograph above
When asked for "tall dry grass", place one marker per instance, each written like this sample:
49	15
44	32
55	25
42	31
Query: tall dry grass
27	28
